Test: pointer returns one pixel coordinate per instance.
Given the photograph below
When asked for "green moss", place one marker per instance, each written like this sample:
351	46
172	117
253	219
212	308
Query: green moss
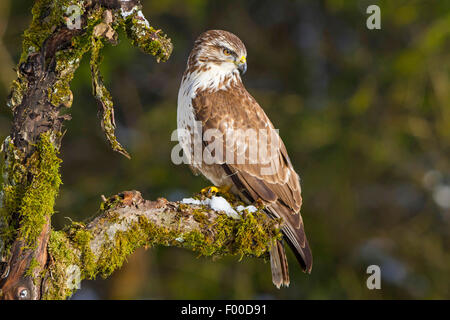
62	255
200	215
60	248
39	196
255	234
69	248
33	265
29	190
82	239
249	236
146	38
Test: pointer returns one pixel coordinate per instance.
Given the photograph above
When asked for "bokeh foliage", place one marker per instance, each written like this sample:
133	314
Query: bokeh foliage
365	115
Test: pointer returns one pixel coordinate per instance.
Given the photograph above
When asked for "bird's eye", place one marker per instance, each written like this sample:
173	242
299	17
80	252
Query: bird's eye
227	52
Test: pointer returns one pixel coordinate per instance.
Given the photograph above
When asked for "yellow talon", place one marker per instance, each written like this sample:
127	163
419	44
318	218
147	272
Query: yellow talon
223	191
209	190
214	190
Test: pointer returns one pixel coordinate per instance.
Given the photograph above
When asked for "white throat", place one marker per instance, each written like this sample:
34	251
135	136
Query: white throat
214	78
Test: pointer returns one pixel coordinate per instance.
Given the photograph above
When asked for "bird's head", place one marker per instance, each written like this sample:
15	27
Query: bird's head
220	50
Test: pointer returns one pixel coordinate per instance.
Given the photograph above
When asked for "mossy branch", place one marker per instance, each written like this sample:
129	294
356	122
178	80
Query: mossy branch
127	222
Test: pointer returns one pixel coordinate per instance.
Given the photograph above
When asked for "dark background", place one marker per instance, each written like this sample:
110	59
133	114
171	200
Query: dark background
365	115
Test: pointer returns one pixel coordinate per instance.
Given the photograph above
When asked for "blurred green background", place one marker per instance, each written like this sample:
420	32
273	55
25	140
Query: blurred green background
365	115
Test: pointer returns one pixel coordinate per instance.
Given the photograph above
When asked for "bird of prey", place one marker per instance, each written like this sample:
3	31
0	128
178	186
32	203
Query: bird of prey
213	97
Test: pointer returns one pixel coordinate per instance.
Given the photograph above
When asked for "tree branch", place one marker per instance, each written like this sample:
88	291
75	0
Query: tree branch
127	222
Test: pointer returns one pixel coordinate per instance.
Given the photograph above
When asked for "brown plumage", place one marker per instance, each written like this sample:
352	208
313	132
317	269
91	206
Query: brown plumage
212	93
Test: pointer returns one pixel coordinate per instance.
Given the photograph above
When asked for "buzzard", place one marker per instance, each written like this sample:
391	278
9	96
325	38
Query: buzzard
212	98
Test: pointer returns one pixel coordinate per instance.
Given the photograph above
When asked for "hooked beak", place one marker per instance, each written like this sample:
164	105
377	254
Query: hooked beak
242	65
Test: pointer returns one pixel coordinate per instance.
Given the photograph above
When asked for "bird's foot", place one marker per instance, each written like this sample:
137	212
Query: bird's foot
210	191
